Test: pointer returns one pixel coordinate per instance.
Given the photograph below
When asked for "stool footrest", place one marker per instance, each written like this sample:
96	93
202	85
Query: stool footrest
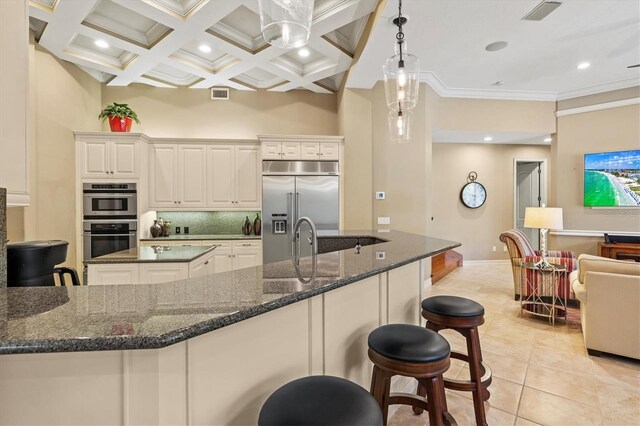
469	385
419	402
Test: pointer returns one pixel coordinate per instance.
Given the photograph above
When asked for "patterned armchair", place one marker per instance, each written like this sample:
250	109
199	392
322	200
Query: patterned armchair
520	250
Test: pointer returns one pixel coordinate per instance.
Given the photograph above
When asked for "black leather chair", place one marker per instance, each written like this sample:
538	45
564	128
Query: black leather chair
33	263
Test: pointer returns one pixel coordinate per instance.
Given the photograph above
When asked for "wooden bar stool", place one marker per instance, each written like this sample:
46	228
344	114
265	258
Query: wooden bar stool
410	351
464	316
320	400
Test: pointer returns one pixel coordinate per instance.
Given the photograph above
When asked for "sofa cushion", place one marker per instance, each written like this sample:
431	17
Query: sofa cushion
590	263
578	288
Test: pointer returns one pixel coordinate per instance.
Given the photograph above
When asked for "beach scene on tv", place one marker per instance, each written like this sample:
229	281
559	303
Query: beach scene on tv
612	179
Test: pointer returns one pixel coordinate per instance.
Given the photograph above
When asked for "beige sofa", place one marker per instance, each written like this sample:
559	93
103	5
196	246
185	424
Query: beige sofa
609	295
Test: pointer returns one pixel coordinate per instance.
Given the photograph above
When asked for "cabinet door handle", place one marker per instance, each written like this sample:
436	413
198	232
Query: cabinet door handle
175	202
107	172
246	245
111	171
206	262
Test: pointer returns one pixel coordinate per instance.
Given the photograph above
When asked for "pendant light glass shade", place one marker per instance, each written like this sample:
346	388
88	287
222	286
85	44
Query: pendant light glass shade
402	81
400	126
286	23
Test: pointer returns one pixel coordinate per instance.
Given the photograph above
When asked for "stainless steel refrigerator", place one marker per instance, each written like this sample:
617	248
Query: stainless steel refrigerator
293	189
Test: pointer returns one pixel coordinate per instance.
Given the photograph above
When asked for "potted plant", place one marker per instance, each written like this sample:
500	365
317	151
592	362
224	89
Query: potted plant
120	117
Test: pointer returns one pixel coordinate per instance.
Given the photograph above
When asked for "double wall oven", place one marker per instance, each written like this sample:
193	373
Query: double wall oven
110	218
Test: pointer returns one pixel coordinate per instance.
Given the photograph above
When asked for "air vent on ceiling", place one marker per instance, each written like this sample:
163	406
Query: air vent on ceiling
220	93
541	11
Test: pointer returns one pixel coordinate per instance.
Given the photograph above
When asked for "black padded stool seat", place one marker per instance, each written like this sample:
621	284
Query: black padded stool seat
452	306
320	400
33	263
409	343
410	351
464	316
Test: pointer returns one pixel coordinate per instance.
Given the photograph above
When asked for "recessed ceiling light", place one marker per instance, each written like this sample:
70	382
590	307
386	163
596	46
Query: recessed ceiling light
204	48
495	46
102	44
488	139
547	139
304	52
583	65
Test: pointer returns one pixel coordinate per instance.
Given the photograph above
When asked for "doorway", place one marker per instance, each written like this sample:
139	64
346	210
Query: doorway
530	183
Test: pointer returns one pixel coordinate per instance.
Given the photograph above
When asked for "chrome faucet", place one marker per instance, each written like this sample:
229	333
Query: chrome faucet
313	240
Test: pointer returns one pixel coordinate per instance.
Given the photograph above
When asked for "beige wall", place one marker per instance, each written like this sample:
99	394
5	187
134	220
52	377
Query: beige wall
477	229
190	113
354	123
64	99
613	129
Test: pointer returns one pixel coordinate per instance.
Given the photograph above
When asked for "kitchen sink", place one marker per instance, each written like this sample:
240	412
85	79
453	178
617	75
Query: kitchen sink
329	244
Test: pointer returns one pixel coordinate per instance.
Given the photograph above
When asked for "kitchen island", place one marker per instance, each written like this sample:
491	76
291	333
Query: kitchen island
204	350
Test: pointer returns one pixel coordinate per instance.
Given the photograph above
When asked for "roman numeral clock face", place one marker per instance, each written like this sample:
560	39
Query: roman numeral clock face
473	194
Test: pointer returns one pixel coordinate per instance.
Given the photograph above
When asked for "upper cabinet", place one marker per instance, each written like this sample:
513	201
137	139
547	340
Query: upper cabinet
306	148
110	156
204	176
177	176
14	93
234	179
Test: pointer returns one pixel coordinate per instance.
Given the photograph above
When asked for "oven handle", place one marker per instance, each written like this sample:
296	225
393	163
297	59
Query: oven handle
108	195
133	234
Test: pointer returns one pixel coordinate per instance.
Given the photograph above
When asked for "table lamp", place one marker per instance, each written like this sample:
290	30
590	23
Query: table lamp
543	218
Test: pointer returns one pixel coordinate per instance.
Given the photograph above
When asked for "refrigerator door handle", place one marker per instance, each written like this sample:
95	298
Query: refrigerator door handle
297	206
290	218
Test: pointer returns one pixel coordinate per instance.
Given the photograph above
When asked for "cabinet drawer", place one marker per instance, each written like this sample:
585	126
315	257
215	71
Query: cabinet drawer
247	244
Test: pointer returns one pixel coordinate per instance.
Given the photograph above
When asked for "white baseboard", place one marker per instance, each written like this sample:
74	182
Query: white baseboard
486	262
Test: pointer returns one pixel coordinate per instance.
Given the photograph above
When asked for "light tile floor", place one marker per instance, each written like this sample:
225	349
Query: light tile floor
542	375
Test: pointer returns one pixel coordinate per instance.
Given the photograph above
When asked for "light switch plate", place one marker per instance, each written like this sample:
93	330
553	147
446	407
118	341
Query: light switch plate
380	195
384	220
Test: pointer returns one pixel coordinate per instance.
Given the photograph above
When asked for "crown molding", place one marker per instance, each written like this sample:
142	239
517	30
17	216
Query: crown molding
598	107
600	88
517	95
512	95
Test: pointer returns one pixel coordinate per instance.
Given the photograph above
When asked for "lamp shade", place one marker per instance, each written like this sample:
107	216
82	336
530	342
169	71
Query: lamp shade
543	218
286	23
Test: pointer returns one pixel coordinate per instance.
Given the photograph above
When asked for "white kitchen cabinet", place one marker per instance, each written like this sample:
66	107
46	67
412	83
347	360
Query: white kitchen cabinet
111	274
246	254
233	176
192	176
305	148
14	94
177	176
232	255
319	151
205	265
274	150
109	156
156	273
222	257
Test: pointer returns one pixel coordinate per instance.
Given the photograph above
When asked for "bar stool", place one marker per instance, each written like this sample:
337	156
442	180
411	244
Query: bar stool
320	400
464	316
410	351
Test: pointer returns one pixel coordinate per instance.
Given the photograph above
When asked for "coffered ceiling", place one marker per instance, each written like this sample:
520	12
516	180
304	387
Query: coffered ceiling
197	43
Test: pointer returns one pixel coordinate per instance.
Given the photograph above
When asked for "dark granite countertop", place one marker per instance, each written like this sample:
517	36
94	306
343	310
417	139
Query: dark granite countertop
196	237
150	316
150	254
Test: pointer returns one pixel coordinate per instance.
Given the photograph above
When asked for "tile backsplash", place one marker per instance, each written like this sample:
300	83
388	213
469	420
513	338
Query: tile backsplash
200	223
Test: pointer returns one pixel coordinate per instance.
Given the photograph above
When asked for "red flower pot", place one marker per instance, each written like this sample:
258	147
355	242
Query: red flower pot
118	124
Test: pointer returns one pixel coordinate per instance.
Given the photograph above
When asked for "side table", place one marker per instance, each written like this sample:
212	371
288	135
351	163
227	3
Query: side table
539	291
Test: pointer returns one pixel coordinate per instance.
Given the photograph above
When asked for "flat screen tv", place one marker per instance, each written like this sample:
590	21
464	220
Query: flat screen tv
612	179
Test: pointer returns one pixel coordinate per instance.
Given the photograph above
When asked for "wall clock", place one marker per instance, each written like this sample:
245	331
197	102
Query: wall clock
473	194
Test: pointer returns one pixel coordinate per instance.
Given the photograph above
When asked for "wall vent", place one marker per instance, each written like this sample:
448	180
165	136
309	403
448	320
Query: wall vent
541	11
220	93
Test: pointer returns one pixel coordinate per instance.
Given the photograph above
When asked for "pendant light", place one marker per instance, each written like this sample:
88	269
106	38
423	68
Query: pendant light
401	72
286	23
400	125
